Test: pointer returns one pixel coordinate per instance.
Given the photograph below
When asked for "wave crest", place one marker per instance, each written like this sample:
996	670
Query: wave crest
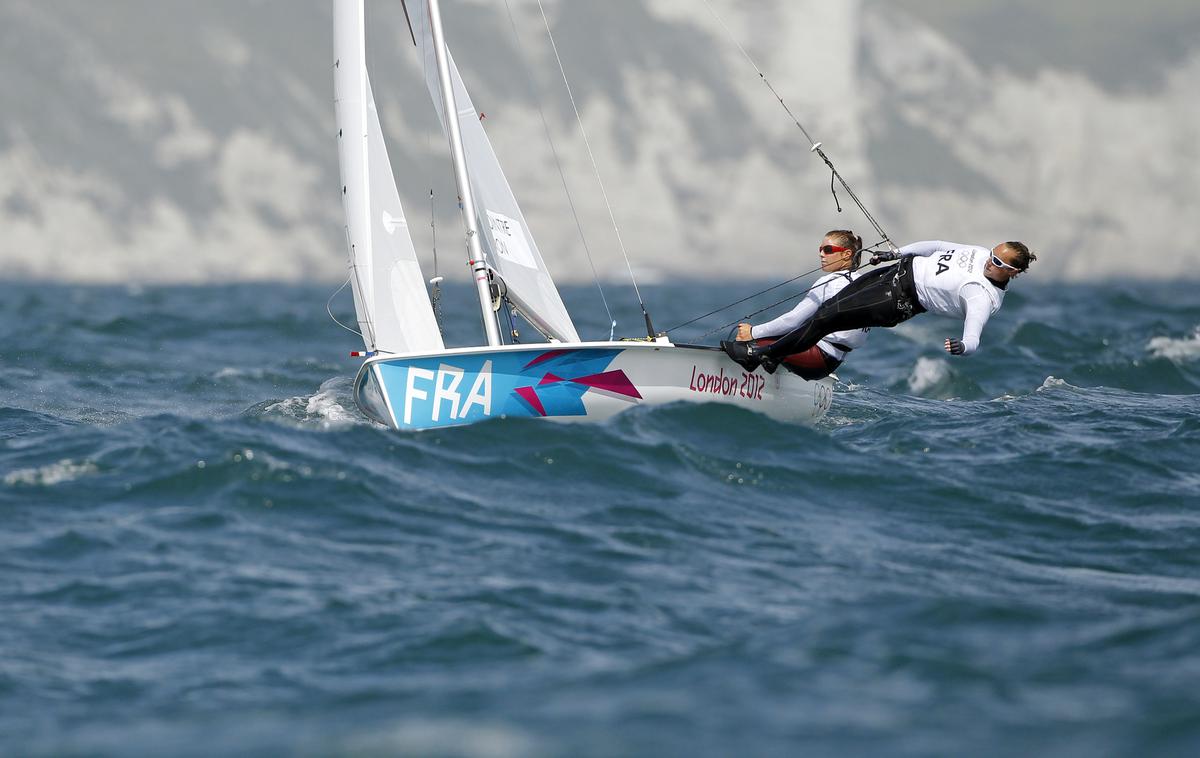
47	476
1176	350
332	406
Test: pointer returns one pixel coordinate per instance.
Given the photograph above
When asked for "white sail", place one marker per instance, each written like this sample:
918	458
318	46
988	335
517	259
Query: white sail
506	239
390	299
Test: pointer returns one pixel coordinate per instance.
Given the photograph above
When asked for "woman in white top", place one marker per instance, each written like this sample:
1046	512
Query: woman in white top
841	253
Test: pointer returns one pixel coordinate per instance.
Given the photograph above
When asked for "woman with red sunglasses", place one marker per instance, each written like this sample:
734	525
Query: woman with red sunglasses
961	281
841	253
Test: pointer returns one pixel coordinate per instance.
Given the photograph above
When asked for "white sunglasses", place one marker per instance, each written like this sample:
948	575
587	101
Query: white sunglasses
1001	264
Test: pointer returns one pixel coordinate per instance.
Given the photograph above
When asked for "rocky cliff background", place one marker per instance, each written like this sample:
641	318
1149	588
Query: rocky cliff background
171	141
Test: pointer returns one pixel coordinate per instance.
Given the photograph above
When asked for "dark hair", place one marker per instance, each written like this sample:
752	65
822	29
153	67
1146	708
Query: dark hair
1023	256
847	238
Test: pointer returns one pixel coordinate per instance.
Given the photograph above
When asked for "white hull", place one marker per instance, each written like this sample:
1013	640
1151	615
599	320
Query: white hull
589	381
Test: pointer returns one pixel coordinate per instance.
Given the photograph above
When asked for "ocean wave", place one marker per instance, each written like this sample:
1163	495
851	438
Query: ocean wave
1181	350
1054	383
936	378
461	737
19	422
331	407
51	474
234	372
927	373
197	526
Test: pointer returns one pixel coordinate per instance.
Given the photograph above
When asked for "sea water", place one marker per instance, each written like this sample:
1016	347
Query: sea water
206	549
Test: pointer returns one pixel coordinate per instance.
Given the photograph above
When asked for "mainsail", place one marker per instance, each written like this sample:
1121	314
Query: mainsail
506	239
393	307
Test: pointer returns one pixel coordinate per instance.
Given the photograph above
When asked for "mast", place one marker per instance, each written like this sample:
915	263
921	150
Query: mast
478	265
349	42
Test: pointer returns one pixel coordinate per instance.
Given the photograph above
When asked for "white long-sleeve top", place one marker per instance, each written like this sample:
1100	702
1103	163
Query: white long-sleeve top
823	289
949	281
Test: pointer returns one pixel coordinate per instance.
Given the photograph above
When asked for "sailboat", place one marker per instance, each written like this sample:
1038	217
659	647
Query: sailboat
409	379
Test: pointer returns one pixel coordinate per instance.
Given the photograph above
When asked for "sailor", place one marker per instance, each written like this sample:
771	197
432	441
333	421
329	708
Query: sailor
950	279
840	254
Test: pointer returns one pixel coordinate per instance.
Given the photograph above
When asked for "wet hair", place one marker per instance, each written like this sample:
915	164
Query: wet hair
847	238
1023	256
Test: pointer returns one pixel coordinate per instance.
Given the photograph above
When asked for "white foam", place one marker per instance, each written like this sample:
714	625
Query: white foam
324	407
52	474
830	421
454	736
231	372
1053	382
927	374
1177	350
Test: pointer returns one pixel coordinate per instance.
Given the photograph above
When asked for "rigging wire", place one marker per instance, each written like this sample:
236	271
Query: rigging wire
596	170
435	283
558	163
435	296
868	249
815	146
330	311
801	293
744	299
514	335
433	232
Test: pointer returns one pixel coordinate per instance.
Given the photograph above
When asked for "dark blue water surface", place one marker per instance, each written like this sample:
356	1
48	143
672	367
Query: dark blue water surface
205	549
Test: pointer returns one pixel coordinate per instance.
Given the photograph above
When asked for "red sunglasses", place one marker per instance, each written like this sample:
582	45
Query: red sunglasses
831	249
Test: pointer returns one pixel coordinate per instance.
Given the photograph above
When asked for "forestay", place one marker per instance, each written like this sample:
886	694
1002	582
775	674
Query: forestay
393	308
506	239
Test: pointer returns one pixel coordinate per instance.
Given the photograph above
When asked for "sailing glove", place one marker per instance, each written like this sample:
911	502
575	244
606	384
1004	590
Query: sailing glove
881	257
955	347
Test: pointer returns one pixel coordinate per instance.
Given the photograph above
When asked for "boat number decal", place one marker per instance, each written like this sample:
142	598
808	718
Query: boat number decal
742	385
429	392
510	240
444	385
